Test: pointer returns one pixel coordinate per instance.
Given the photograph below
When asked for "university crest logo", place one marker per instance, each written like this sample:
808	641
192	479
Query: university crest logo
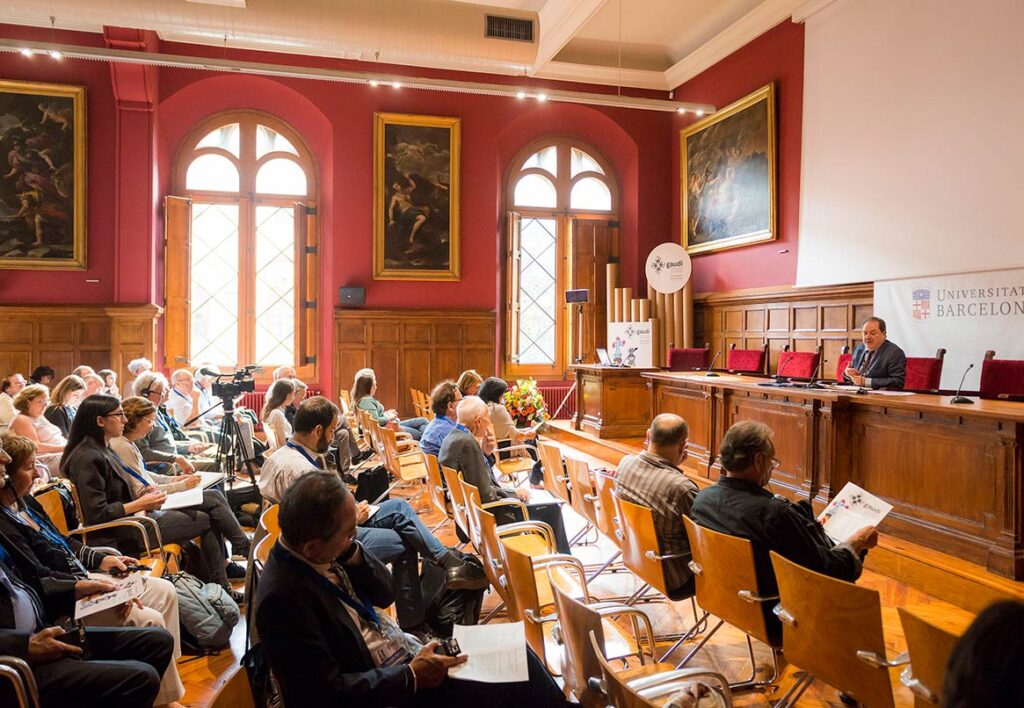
922	298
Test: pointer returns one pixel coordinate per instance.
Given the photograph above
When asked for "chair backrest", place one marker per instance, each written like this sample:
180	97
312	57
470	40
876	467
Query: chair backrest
688	359
50	500
235	692
521	584
262	550
845	358
1002	377
346	398
748	361
471	494
726	580
604	486
409	469
799	365
451	479
638	536
554	474
484	534
583	497
809	605
618	693
576	621
924	373
929	647
435	486
18	674
268	520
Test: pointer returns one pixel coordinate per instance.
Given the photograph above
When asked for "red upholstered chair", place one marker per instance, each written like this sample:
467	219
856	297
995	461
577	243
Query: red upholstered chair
924	373
688	359
845	357
798	365
747	361
1002	378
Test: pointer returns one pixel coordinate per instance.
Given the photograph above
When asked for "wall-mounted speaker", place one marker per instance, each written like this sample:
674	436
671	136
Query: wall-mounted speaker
352	297
577	296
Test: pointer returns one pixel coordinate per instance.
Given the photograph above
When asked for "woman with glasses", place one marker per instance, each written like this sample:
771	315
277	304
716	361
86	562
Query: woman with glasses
106	494
30	423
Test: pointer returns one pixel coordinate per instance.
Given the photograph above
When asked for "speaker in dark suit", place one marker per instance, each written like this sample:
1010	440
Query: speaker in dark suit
877	362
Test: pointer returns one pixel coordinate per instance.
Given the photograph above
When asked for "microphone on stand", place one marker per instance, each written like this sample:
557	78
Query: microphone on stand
709	374
816	379
958	398
778	375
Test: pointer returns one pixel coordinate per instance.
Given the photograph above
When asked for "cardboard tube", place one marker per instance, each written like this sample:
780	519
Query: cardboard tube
667	323
645	310
634	310
611	280
650	292
688	314
659	311
657	353
627	297
677	318
617	305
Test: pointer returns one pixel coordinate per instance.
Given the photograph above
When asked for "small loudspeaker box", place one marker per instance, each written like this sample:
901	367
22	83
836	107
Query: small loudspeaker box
353	297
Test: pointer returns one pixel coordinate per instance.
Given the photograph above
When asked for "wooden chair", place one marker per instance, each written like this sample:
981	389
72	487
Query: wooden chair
643	692
832	630
555	479
924	373
1002	378
799	365
690	359
23	682
576	620
726	580
582	496
516	467
458	501
235	691
269	522
471	495
436	491
407	465
747	361
845	358
929	647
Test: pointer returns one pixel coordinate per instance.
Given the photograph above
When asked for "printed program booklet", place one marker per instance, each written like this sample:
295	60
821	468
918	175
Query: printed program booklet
851	510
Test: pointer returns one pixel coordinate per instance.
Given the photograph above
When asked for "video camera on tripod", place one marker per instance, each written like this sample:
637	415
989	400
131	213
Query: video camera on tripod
241	381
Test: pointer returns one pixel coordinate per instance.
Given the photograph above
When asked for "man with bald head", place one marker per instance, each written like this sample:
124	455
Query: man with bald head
653	479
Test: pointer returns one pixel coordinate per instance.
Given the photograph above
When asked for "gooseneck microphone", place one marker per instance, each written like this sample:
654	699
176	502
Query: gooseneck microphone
709	373
778	374
958	398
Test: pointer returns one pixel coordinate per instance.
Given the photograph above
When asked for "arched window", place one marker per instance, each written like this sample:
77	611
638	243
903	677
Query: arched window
563	231
241	247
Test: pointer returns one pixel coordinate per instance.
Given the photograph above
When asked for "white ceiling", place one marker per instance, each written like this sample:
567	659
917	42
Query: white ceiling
656	44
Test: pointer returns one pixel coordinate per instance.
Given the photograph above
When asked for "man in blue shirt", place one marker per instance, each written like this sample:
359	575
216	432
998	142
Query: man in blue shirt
443	400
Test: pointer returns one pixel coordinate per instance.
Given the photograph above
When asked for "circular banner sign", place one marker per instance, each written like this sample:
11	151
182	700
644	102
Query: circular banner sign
668	268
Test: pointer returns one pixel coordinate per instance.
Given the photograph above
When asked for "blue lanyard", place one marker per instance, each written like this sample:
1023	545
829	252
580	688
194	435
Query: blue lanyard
136	475
303	452
54	538
363	608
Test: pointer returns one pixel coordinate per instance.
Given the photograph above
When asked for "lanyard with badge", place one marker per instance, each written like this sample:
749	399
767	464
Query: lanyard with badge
302	451
51	537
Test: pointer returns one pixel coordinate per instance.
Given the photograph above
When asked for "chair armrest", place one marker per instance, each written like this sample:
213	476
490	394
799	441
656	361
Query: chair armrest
514	503
126	523
528	527
908	679
154	527
651	555
615	610
664	683
532	616
23	682
880	662
752	598
564	559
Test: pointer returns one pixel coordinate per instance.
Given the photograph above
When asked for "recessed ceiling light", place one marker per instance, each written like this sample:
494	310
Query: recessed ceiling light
54	54
542	97
520	94
374	82
396	84
680	111
26	52
699	113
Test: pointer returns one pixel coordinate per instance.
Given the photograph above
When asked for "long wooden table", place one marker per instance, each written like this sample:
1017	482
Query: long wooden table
952	472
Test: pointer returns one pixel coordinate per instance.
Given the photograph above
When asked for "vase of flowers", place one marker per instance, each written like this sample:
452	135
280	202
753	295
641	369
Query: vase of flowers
525	404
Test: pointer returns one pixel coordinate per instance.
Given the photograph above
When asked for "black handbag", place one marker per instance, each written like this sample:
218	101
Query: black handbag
372	485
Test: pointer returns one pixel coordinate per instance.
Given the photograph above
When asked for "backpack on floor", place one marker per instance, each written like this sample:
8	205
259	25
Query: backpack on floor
446	608
206	614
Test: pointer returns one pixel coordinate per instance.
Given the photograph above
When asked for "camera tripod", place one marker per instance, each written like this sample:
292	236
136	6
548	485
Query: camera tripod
230	447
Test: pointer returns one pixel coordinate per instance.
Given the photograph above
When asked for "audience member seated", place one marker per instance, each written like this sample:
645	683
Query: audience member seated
82	370
443	400
300	393
983	670
167	443
93	384
64	399
183	399
109	377
363	391
283	372
463	451
395	533
12	386
106	493
469	382
346	448
136	367
123	667
67	561
30	423
41	375
741	504
326	643
275	423
140	416
877	362
653	479
491	392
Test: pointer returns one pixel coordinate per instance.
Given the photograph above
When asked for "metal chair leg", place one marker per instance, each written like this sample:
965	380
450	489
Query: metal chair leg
790	697
604	567
693	631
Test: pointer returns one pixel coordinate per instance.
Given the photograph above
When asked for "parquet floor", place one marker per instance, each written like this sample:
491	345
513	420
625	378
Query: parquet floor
726	652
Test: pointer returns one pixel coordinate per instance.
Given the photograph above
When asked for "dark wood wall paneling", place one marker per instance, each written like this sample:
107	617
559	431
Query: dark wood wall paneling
803	318
411	349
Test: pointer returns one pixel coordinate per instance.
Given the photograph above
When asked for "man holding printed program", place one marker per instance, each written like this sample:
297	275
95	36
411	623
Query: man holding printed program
877	362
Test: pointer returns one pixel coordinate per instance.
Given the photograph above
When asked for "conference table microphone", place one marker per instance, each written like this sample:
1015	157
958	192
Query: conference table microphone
779	379
710	374
958	398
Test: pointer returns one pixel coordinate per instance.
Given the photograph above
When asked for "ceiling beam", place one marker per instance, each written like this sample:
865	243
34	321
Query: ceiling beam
605	75
559	21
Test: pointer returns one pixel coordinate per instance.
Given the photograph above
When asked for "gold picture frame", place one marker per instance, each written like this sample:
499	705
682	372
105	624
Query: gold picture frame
415	197
42	189
728	176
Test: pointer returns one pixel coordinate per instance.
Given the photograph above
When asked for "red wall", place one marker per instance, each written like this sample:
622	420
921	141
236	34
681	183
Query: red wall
777	55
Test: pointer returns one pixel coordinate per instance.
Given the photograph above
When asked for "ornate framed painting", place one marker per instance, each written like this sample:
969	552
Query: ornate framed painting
728	175
42	181
415	197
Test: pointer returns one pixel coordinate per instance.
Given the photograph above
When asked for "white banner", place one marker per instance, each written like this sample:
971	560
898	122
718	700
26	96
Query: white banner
629	344
966	314
668	268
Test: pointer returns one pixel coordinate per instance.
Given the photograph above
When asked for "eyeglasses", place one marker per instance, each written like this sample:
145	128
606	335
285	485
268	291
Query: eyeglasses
116	414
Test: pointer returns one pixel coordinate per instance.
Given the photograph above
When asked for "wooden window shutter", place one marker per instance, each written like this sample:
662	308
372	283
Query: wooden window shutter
594	243
307	287
512	314
177	279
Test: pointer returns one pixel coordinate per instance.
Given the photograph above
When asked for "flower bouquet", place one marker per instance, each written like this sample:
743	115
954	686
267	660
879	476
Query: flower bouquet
525	404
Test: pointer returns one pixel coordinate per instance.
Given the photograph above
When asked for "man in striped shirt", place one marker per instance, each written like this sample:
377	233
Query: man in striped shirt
653	479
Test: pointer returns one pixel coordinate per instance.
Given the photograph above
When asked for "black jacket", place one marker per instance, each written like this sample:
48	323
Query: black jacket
50	560
888	367
461	452
314	648
741	508
56	593
102	491
59	416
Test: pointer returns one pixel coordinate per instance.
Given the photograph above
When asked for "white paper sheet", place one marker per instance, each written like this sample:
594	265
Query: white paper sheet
496	653
543	496
851	510
126	590
183	499
210	479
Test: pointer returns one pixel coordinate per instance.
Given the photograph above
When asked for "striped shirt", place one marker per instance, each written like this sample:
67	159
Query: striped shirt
282	468
654	482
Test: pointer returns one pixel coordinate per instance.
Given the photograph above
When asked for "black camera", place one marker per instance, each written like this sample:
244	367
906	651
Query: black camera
241	381
448	647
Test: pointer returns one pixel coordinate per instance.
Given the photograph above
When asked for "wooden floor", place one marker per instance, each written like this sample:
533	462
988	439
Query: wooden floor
727	651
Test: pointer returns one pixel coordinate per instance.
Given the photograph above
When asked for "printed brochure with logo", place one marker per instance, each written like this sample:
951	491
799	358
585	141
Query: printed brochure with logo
851	510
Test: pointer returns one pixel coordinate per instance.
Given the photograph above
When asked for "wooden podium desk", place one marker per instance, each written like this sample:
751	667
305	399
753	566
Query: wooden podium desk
953	473
612	402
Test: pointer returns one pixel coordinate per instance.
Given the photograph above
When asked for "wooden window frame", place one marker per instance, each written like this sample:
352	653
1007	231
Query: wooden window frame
177	243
